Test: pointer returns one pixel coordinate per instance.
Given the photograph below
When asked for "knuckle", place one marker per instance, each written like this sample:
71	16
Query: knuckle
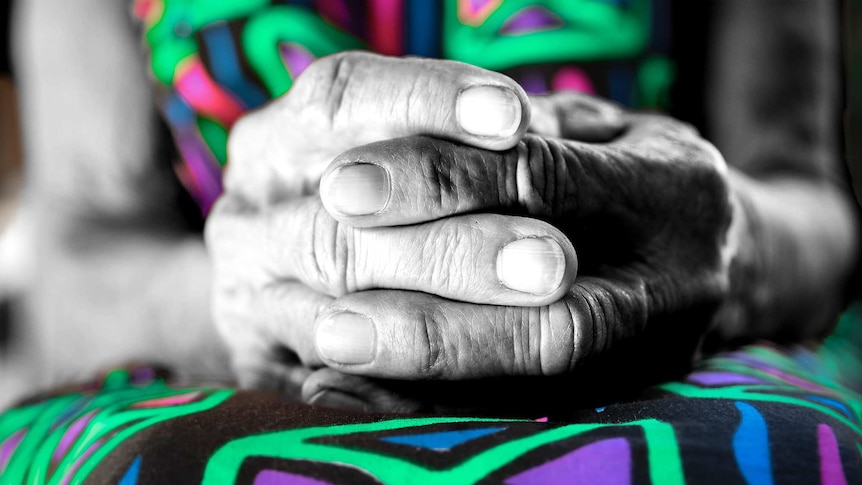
454	177
616	311
559	341
321	89
251	148
450	246
541	186
326	251
431	356
525	357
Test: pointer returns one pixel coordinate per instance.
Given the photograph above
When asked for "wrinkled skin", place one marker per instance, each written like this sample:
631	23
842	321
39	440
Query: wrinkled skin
640	201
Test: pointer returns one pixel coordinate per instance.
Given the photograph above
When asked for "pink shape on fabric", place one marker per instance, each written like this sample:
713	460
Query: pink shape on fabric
198	89
71	435
9	445
572	79
168	401
542	420
273	477
474	12
831	470
150	11
385	26
142	8
793	380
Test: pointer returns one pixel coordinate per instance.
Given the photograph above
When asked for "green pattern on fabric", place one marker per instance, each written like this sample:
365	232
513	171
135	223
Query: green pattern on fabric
173	29
276	25
114	420
665	462
599	31
655	77
215	137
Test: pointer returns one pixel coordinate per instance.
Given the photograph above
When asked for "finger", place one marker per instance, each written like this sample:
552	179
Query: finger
355	98
261	326
420	179
417	336
482	258
576	116
334	389
275	375
258	315
376	97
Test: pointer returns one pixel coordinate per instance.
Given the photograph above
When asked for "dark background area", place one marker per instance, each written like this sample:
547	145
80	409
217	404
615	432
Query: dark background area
853	128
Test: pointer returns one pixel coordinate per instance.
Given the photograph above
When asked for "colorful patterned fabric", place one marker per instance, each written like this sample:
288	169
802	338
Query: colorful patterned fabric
760	415
213	61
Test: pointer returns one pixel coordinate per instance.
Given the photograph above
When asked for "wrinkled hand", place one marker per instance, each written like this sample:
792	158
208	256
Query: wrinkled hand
648	211
279	258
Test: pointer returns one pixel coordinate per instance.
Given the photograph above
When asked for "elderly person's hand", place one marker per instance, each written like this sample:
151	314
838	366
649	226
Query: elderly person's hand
492	294
647	206
279	258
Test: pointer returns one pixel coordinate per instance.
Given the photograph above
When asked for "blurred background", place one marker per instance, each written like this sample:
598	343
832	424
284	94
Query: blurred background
14	254
853	128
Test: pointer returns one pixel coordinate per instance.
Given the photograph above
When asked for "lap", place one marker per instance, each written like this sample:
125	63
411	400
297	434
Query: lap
762	414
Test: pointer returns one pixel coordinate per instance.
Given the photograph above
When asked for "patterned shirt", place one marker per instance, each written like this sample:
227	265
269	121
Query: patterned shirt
212	61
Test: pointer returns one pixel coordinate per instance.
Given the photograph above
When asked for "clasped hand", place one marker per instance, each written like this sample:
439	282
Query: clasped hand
461	230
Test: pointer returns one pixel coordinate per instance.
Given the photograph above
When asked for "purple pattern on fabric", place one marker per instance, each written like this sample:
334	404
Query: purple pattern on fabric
273	477
71	435
711	378
607	462
79	462
8	447
831	470
295	58
203	167
531	19
143	374
533	83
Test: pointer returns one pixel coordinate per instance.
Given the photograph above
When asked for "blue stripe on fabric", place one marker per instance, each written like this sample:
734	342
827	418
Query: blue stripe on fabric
751	446
178	113
443	440
225	67
423	33
131	476
832	403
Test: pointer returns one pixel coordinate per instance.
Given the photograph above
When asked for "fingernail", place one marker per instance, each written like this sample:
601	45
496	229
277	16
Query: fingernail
357	190
346	338
489	111
532	265
336	399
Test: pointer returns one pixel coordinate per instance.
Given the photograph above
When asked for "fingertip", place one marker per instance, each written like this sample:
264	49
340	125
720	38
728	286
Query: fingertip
542	267
345	338
350	189
494	116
